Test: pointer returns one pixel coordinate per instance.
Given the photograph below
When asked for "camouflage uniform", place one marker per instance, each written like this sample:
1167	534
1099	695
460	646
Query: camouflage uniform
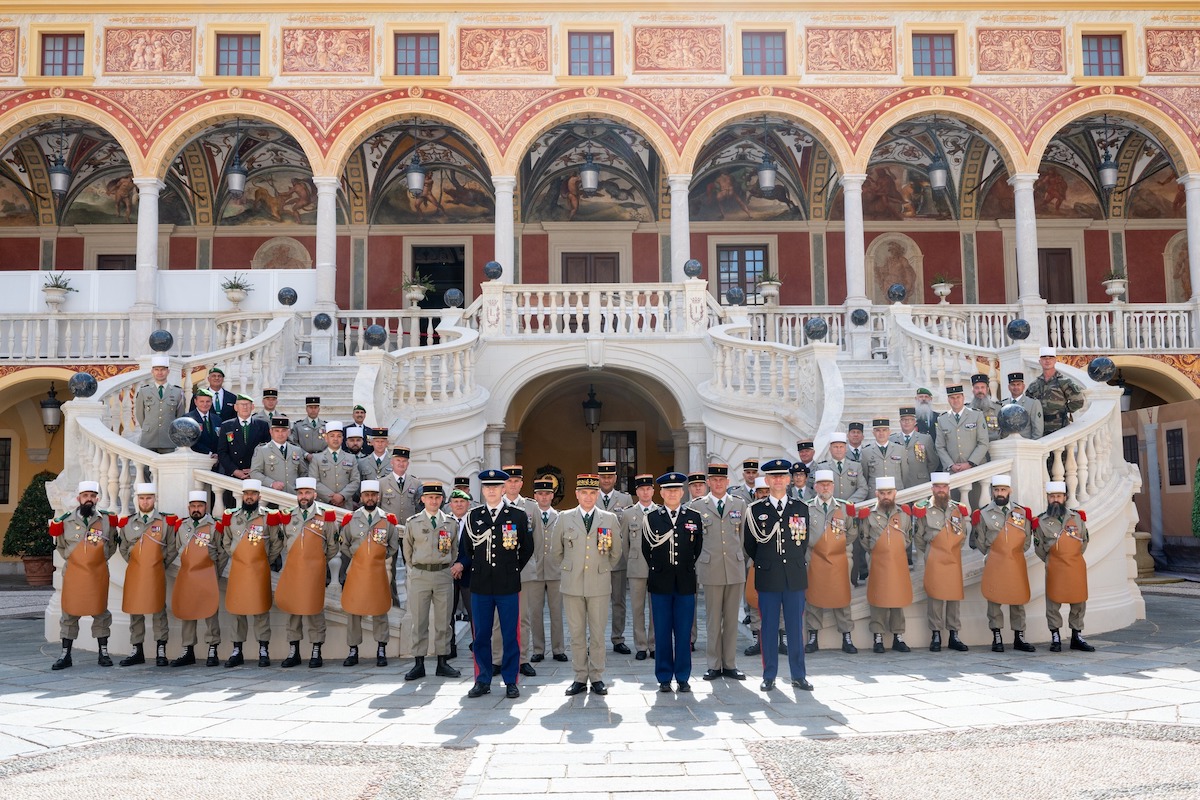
1060	398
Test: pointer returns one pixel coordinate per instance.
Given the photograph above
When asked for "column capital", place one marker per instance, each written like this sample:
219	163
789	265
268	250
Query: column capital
326	184
504	182
853	180
150	184
1190	181
680	181
1023	179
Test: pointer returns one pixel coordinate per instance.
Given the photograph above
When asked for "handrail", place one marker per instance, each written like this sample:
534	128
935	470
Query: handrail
407	327
442	373
925	358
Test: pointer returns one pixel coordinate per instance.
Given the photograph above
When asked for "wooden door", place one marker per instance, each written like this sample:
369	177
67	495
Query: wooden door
1056	281
590	268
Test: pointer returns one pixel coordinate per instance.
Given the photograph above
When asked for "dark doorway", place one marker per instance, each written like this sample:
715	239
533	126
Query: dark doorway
446	268
621	447
590	267
1056	281
128	262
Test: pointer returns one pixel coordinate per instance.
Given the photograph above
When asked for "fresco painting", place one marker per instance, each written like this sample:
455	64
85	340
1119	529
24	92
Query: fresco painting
1159	196
112	199
285	195
14	205
449	197
733	193
616	200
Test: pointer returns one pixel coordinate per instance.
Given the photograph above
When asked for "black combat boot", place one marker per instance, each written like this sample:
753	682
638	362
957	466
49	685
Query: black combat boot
1079	643
848	644
264	653
1019	643
187	659
213	659
935	642
1055	641
315	659
136	657
444	670
811	645
104	659
998	641
236	659
754	649
64	660
898	644
957	643
418	670
293	656
878	646
160	653
351	657
381	654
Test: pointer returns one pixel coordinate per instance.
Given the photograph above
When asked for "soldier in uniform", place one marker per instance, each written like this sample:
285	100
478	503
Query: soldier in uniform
919	457
882	458
336	472
586	541
156	406
697	486
541	578
886	533
353	442
799	489
854	441
962	439
276	463
633	525
1059	395
308	541
775	537
806	452
1060	539
512	497
202	412
400	495
358	416
614	500
832	530
1016	394
926	416
428	540
850	485
250	548
307	432
1003	532
196	594
942	529
270	402
224	401
459	506
495	548
237	439
513	486
672	544
745	489
369	538
148	545
85	539
376	464
721	570
983	402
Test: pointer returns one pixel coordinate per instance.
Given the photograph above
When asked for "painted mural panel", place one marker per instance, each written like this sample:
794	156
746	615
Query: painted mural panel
516	50
850	49
9	38
281	195
734	193
685	49
14	205
1175	261
1159	196
344	51
449	197
1058	193
113	199
1173	50
616	200
1021	50
164	51
896	192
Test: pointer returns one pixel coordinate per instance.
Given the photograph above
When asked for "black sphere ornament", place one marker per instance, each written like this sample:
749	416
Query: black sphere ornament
1013	418
816	329
184	431
1101	369
692	268
896	293
161	341
735	295
454	298
1018	329
322	321
859	316
492	270
375	335
288	296
82	384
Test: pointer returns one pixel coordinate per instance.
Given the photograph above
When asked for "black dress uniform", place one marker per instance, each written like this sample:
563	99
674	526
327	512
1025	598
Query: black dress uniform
775	536
494	550
235	446
672	543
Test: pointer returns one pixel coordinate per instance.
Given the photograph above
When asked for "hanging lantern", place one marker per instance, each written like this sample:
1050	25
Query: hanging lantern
939	172
236	172
589	176
60	177
1107	167
766	175
415	176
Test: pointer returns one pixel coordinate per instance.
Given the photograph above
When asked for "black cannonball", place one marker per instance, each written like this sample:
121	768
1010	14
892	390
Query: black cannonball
1018	329
454	298
816	329
1101	369
322	321
82	384
735	295
692	268
184	431
375	335
288	296
859	316
492	270
1013	418
161	341
896	293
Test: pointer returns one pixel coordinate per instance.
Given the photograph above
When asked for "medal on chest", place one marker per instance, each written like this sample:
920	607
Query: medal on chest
956	525
798	526
508	536
379	535
254	534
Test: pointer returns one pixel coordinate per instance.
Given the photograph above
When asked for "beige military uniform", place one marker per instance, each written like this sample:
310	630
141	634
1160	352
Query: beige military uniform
336	473
882	462
585	582
308	434
155	414
75	530
353	535
1053	539
399	496
992	519
236	531
818	521
849	479
637	572
183	538
375	468
964	439
1035	428
721	570
290	533
271	463
615	502
942	614
155	525
540	585
889	588
429	550
919	458
991	415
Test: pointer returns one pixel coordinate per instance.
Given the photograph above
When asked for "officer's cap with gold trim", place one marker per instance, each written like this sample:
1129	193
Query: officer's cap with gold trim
492	477
459	480
718	470
908	411
799	469
881	422
543	485
587	480
806	446
1013	377
312	401
270	393
953	390
979	378
750	464
675	480
280	422
854	426
606	468
433	488
643	480
697	477
402	452
514	470
776	466
379	433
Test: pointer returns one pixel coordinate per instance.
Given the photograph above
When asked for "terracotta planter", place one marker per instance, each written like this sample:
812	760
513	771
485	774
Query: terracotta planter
39	570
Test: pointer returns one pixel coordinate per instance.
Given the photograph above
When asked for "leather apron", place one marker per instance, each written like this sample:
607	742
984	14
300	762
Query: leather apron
85	578
829	566
943	561
196	594
301	587
1066	571
368	592
249	589
146	576
889	584
1005	575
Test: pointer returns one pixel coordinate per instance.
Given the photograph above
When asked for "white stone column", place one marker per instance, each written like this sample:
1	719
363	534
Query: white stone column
505	246
1191	188
326	261
1026	228
856	258
491	445
681	226
697	439
146	285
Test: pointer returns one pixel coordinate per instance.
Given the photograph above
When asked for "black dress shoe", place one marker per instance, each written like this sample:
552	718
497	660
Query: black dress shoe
685	687
622	648
479	689
495	669
511	691
640	655
712	674
561	657
766	685
598	687
664	687
736	674
536	658
802	683
575	688
528	671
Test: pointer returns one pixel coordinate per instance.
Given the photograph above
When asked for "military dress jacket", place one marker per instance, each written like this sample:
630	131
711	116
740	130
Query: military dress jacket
270	464
427	543
308	434
1060	397
223	406
76	529
395	497
919	458
671	551
988	523
209	425
235	444
543	566
495	551
849	482
155	414
723	559
587	557
883	463
962	440
991	415
336	473
633	528
236	525
777	543
140	523
374	468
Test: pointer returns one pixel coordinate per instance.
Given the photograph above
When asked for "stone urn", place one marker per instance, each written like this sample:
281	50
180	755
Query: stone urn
55	296
769	292
942	290
1116	288
235	296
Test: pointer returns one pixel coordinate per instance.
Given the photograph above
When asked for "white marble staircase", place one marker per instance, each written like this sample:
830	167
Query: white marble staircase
874	389
334	384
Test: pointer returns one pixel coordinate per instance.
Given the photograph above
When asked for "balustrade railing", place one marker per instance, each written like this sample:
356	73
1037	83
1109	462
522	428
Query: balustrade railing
441	373
1120	326
926	358
405	328
638	309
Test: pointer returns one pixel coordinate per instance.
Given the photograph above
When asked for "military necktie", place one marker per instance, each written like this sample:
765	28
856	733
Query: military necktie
605	501
312	423
495	513
245	431
587	522
160	393
674	514
956	419
335	456
217	402
433	522
779	507
906	438
857	454
145	519
825	509
283	450
720	508
883	449
304	515
370	518
839	468
545	517
378	462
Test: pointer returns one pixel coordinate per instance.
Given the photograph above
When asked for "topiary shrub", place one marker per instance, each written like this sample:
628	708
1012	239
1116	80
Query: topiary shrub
28	533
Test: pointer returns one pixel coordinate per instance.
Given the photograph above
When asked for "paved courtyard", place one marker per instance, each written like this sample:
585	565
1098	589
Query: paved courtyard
876	726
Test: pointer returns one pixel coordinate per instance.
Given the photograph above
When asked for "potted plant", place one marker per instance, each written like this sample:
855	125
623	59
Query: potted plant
55	289
28	535
236	288
768	288
1116	282
942	286
416	287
